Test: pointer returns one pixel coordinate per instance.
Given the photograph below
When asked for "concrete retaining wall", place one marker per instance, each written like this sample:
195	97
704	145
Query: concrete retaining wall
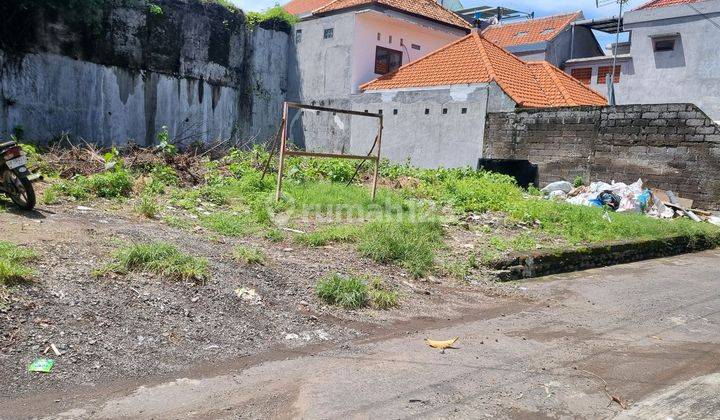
671	146
195	68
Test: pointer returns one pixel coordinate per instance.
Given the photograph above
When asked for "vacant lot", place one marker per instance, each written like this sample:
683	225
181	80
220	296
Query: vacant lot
149	261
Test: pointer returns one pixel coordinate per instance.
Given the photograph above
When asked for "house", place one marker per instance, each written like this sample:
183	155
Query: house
553	39
345	43
435	107
673	55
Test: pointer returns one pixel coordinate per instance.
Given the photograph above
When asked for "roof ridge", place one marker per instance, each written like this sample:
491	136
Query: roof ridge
566	95
574	80
412	63
326	5
485	58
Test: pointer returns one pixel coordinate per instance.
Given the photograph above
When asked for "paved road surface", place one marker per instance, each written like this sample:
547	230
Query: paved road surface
645	333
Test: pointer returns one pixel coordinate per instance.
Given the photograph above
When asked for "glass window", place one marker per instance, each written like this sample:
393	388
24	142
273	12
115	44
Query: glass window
387	60
329	33
298	36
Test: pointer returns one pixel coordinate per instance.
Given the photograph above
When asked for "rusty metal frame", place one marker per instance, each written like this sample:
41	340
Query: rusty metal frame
284	152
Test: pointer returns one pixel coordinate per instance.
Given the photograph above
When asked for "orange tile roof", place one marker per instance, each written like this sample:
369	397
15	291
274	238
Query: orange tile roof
301	7
425	8
654	4
529	31
474	59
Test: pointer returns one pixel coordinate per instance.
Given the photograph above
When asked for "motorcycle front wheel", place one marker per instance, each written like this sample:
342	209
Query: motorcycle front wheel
19	189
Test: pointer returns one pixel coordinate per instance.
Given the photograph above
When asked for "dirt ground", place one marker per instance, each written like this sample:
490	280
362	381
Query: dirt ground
126	328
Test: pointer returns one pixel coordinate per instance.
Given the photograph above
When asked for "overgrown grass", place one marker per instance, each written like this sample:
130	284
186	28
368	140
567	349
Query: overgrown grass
249	255
412	244
381	296
236	223
115	183
347	292
354	292
329	234
339	201
160	258
13	264
148	206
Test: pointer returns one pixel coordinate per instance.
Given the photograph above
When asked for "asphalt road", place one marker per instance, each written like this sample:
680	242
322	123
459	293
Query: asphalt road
643	335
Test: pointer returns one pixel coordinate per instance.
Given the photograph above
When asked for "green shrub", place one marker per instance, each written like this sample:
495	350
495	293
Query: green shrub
159	258
578	182
115	183
330	234
249	255
412	244
12	263
348	292
176	222
276	17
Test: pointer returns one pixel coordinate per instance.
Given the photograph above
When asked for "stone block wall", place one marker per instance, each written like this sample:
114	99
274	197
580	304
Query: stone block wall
670	146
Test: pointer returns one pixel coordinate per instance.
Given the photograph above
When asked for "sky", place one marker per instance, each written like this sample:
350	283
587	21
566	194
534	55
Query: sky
540	7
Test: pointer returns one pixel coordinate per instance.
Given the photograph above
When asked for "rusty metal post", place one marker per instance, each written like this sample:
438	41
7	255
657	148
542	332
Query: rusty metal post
283	141
377	160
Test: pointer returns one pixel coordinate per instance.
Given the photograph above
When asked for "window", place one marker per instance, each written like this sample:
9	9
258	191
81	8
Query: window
427	111
444	111
415	47
329	33
298	36
379	36
660	45
387	60
390	39
603	71
395	111
584	74
463	111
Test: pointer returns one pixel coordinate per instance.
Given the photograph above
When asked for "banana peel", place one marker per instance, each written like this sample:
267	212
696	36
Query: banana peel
442	345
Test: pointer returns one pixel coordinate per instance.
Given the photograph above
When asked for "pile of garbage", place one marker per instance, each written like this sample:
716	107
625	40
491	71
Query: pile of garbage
624	198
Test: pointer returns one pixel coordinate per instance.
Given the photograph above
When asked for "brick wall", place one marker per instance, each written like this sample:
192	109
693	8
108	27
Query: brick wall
670	146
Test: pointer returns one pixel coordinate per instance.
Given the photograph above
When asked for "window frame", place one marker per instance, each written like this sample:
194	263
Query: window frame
389	52
330	31
657	41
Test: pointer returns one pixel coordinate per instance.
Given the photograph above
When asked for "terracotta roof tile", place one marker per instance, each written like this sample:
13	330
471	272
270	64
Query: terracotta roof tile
529	31
426	8
474	59
654	4
301	7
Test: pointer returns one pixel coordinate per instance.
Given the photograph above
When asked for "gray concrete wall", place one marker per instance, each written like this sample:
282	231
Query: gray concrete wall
319	68
195	69
431	140
691	73
558	50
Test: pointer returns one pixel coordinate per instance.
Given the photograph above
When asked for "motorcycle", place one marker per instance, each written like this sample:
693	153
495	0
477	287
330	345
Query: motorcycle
14	175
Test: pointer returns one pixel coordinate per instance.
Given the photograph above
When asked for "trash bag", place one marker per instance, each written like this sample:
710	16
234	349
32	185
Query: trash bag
609	199
563	186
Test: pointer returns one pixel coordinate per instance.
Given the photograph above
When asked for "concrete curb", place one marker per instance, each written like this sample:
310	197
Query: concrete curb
537	264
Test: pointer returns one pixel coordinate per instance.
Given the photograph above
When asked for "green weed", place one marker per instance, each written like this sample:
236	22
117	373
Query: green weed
381	296
330	234
249	255
160	258
348	292
13	260
148	206
411	244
